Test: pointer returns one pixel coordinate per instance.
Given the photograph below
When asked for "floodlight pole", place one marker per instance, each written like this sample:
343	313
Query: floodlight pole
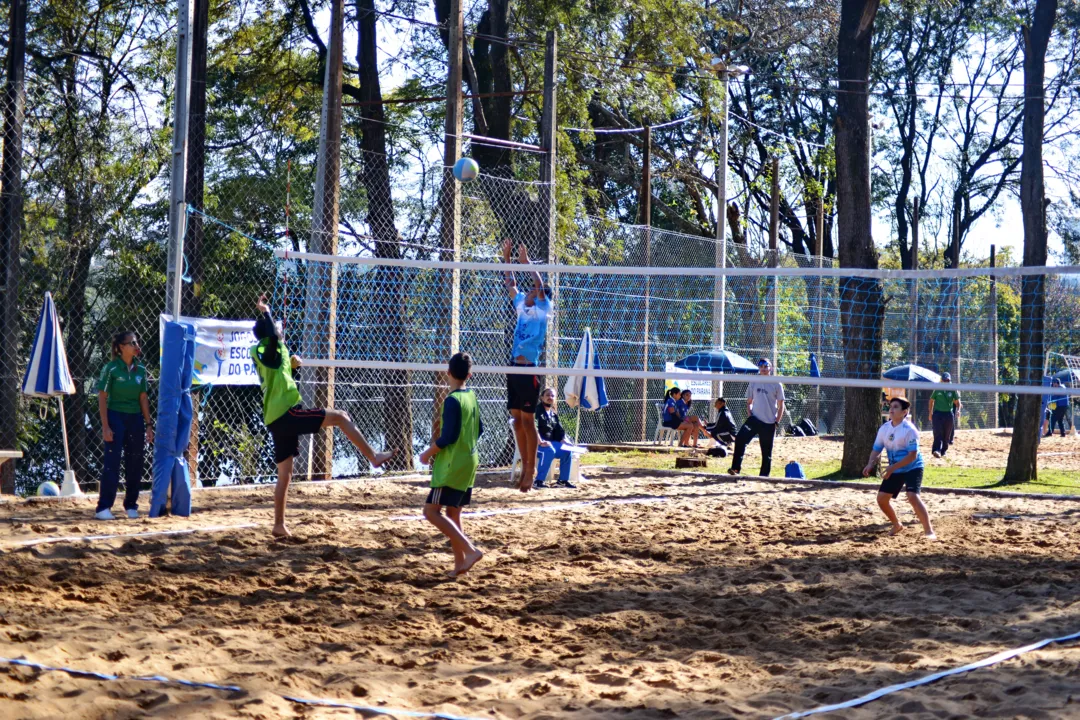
178	171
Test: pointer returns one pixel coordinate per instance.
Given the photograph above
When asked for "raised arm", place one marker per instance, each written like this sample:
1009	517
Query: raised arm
508	277
538	282
271	356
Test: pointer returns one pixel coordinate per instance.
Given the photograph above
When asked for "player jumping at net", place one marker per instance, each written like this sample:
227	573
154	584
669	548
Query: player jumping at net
899	438
285	417
523	391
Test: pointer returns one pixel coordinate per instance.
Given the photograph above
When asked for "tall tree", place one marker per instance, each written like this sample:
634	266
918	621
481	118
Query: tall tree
1023	453
861	306
13	106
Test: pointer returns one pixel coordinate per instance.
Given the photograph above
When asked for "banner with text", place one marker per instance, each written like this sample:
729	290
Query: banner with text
222	350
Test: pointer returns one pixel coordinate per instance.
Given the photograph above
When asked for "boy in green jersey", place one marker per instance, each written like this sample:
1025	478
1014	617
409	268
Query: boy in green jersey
453	471
285	417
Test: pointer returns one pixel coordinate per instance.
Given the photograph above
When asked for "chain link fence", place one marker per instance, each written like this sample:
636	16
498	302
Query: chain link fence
98	243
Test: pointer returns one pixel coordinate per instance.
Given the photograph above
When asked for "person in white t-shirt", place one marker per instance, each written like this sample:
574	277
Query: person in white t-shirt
899	438
764	410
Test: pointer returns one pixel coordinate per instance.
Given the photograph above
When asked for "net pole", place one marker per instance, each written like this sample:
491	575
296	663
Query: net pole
914	298
818	314
994	336
720	285
549	144
450	203
646	221
178	172
771	320
321	294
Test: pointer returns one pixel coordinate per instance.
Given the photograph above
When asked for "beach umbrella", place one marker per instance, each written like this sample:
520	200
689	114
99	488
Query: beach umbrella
721	361
586	391
911	373
48	376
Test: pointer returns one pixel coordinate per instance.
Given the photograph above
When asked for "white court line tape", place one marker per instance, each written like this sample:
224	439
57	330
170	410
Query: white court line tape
234	688
992	660
94	538
546	508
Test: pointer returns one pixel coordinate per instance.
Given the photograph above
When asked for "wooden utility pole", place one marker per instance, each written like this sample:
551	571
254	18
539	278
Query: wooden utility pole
320	307
994	335
549	144
13	107
645	218
772	295
450	199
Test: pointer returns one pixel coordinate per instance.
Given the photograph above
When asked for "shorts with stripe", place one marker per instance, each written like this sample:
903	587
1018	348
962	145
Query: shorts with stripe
449	497
288	428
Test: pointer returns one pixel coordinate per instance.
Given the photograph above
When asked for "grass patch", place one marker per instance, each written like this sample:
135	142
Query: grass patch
1058	482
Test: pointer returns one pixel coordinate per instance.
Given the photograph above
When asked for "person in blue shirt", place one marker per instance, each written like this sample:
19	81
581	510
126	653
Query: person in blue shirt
686	411
899	438
523	390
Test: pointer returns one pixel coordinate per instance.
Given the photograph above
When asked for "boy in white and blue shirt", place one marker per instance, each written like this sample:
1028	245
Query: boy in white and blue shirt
899	439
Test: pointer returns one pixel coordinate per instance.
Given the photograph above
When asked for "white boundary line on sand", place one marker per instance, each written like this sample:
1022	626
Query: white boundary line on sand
985	662
233	688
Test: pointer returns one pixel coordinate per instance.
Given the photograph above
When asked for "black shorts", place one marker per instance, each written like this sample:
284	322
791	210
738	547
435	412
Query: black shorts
912	480
523	392
449	497
288	428
673	424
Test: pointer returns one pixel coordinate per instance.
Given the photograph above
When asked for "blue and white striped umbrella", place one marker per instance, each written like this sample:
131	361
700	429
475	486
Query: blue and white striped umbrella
47	374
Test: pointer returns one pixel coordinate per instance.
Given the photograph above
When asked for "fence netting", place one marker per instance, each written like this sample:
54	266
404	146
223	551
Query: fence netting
100	247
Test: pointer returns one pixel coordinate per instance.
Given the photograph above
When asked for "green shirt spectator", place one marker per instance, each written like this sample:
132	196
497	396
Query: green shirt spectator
944	400
123	384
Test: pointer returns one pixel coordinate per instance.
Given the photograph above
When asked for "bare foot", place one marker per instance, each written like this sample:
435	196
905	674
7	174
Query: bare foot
524	485
897	529
280	531
471	559
380	458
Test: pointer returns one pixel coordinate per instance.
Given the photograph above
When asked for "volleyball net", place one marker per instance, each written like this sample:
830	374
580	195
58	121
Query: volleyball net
823	328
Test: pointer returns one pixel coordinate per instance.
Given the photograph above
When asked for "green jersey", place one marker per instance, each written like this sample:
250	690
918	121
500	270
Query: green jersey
279	389
944	400
455	465
123	385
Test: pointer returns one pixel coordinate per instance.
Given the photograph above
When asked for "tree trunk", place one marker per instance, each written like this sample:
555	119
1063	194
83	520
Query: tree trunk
191	293
1022	465
397	417
11	222
861	308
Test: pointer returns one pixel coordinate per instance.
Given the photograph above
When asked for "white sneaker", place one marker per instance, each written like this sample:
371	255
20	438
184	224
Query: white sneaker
133	513
105	514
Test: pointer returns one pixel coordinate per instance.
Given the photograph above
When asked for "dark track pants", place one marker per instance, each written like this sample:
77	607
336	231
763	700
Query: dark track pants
943	430
765	432
129	441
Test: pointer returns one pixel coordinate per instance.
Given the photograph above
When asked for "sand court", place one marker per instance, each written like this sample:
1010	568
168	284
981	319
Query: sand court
632	596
